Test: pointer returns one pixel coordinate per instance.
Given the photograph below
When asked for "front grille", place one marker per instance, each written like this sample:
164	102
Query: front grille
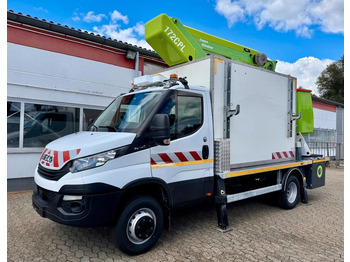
53	174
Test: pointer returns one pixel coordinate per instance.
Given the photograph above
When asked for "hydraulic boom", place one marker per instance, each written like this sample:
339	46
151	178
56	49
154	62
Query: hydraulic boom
177	44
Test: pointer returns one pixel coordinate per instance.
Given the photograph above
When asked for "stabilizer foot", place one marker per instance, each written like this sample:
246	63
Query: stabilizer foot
223	230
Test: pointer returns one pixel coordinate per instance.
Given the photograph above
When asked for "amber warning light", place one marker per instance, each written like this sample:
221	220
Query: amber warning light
173	76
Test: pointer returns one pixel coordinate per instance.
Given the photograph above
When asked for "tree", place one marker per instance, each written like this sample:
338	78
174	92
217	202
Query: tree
330	83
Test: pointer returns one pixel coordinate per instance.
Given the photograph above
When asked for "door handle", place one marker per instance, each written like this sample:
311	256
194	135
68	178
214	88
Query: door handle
205	152
233	112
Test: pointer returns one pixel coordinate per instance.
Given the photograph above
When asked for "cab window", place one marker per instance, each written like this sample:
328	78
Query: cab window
185	114
190	116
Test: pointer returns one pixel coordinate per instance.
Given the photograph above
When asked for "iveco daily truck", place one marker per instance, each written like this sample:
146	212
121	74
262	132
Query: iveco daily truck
210	128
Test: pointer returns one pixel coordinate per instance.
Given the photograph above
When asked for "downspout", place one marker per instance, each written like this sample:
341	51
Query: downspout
137	64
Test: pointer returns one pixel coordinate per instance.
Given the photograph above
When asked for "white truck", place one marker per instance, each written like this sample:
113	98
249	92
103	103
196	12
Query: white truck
224	133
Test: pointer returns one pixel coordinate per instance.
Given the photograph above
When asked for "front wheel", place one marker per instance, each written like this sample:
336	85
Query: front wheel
289	198
139	226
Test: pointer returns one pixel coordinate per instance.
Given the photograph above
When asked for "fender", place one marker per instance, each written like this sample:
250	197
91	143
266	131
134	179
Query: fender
298	174
152	181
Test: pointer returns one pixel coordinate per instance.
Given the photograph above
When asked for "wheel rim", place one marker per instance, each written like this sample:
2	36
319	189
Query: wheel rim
141	226
292	192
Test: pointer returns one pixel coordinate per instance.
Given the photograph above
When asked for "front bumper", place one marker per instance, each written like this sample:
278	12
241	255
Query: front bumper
91	210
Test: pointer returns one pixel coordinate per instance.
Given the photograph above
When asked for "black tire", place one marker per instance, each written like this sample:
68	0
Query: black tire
289	198
139	226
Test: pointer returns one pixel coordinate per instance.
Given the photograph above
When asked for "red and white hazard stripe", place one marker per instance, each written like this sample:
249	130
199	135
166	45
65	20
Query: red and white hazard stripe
177	157
57	159
284	154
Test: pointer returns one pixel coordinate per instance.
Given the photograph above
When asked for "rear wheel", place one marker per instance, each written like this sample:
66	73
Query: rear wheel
139	226
290	197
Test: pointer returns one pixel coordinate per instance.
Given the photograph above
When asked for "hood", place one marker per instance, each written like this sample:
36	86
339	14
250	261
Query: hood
59	152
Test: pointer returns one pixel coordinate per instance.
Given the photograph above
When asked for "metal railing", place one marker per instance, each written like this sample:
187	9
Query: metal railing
333	150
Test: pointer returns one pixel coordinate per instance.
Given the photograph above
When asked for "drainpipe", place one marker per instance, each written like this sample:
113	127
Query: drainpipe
137	64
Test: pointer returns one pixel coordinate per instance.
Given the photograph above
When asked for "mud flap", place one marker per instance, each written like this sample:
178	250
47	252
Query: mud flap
303	195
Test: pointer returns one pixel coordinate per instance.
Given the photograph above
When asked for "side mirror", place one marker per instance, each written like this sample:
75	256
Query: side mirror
160	130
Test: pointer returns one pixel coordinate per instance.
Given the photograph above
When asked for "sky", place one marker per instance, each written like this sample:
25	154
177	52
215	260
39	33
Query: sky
304	36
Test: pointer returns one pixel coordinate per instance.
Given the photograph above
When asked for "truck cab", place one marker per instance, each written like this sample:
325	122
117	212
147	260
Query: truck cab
151	150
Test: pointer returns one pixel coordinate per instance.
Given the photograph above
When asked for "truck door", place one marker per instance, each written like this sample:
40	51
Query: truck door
186	164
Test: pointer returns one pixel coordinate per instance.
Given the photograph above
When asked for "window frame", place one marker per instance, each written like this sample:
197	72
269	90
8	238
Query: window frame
20	148
187	94
21	124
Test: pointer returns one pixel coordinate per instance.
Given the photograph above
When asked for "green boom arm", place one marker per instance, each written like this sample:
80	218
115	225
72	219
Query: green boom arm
177	44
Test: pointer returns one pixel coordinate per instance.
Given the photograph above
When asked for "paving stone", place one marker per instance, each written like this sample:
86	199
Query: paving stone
261	231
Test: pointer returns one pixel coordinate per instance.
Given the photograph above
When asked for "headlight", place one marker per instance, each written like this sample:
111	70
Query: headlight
96	160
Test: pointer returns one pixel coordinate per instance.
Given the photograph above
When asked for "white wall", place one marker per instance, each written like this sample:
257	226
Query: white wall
325	119
37	75
22	164
43	75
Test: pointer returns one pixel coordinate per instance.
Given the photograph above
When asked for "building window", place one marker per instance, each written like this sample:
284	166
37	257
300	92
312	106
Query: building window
31	126
45	123
13	123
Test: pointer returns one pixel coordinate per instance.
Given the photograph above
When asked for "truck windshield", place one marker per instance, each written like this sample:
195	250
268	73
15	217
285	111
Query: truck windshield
126	113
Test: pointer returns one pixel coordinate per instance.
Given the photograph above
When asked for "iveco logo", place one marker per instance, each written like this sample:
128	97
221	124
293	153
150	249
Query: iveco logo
47	158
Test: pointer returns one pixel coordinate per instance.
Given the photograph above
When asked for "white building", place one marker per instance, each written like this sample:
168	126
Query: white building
59	80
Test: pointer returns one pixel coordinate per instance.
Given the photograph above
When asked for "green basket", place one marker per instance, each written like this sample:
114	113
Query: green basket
305	124
172	44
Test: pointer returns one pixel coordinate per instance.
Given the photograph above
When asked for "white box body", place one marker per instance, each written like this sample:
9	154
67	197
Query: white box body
266	101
